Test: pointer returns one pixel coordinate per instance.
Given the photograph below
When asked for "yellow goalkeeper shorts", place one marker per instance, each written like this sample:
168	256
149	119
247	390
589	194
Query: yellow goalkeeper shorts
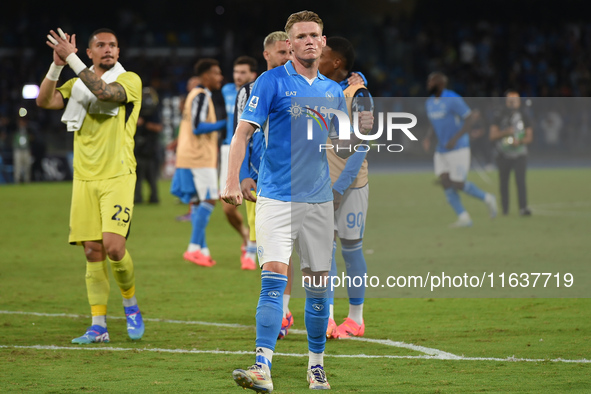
102	206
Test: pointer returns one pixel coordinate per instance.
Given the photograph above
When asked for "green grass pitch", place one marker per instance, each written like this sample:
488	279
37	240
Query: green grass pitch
200	321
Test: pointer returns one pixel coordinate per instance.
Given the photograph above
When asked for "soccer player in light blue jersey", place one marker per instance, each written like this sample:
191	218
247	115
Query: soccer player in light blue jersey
451	119
245	71
294	203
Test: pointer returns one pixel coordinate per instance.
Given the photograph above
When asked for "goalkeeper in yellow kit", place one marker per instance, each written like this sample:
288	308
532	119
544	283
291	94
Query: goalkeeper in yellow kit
101	109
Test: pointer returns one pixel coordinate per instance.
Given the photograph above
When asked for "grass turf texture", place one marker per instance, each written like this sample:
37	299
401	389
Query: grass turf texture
40	272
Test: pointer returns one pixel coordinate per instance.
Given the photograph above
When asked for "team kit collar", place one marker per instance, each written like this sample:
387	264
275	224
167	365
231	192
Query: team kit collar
292	71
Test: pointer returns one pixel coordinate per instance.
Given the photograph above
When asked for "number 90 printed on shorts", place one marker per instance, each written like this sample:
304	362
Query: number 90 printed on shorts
349	218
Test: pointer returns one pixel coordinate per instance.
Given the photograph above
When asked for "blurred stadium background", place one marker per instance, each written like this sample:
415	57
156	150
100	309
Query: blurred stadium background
541	48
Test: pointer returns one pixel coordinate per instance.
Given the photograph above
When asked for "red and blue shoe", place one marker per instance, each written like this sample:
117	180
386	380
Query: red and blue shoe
255	378
286	324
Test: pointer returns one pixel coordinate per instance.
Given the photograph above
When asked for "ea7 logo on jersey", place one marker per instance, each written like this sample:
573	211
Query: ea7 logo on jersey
290	93
254	101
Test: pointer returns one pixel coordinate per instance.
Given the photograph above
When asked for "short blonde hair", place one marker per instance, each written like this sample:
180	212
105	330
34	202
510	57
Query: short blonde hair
302	16
274	37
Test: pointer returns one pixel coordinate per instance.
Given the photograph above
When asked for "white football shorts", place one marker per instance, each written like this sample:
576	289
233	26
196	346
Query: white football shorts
455	162
206	183
281	225
349	219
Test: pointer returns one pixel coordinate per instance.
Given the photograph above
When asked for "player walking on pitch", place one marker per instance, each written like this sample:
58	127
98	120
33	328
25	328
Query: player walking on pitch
293	183
102	110
195	179
451	119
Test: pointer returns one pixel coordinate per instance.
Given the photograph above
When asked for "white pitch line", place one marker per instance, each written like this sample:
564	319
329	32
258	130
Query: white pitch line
563	204
202	323
436	353
386	342
563	209
242	352
545	212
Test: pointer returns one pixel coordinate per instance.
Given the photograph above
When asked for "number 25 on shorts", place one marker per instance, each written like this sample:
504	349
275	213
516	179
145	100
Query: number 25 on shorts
124	212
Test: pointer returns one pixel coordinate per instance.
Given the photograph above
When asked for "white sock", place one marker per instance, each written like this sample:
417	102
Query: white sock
193	247
266	353
331	311
356	313
315	359
127	302
464	216
205	251
286	298
99	321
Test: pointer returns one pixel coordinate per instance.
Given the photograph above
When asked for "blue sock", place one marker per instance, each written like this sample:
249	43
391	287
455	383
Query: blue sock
356	267
453	198
316	317
199	219
332	272
270	309
473	190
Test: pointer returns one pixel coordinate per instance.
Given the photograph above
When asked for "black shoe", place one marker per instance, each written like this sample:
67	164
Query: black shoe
525	212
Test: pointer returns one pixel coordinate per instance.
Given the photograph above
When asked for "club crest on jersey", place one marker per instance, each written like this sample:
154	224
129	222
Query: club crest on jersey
329	96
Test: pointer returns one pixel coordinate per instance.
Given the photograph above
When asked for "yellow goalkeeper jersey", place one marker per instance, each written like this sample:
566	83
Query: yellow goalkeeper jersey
103	147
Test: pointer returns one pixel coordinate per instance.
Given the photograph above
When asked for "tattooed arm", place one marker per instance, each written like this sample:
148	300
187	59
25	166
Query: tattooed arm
106	92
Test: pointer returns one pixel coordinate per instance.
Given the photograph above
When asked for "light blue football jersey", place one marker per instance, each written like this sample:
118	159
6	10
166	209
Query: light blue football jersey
293	165
447	114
